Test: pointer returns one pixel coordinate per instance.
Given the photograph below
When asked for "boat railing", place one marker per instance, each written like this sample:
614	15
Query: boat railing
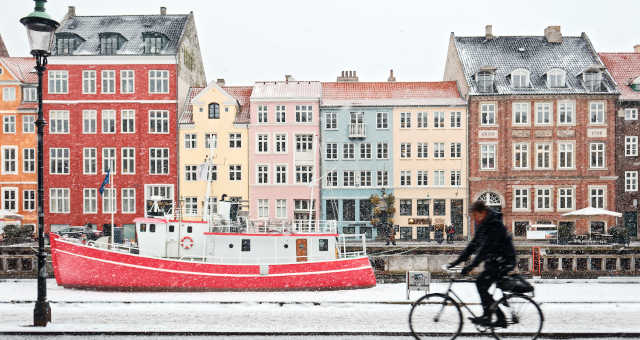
352	245
275	226
128	248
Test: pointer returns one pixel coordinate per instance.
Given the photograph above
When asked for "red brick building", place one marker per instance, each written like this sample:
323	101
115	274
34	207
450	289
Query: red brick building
625	69
113	91
541	127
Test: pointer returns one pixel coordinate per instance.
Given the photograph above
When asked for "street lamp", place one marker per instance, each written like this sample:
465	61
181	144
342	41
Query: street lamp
40	30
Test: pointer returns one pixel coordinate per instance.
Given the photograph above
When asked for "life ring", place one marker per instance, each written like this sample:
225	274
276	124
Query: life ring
188	244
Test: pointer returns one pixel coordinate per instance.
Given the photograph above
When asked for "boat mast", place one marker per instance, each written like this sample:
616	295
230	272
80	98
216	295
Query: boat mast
206	214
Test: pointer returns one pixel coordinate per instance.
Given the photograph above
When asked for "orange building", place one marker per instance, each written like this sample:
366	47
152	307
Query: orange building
18	113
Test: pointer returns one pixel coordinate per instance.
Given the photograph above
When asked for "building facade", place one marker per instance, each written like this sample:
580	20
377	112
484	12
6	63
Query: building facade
214	128
541	127
283	150
113	90
625	69
18	113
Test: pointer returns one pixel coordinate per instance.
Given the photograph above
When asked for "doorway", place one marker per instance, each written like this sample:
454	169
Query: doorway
301	250
597	227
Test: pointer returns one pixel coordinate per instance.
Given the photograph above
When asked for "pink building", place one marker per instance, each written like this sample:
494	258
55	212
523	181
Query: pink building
283	150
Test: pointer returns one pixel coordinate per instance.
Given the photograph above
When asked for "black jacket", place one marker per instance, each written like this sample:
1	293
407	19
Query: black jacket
491	242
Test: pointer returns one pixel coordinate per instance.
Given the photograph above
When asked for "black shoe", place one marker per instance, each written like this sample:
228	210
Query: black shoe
480	321
501	323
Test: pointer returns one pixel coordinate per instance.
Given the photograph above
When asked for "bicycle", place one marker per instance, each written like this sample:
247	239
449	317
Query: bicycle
440	315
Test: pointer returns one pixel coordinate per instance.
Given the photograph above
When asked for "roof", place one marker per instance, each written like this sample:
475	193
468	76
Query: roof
3	49
186	117
624	67
274	90
390	93
239	93
131	27
533	53
22	68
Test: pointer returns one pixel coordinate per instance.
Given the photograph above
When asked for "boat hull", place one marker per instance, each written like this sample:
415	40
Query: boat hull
81	266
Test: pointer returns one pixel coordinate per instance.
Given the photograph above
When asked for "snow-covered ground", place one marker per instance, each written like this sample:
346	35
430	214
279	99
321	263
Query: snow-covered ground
581	306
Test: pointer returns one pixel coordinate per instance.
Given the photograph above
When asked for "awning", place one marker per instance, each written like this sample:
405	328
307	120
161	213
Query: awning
590	211
6	214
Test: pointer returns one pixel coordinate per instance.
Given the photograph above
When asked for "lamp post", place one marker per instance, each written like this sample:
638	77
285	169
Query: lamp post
40	30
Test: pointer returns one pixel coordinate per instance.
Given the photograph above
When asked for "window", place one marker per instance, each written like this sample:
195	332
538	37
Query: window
487	114
422	178
108	121
159	161
543	113
487	156
58	161
456	178
348	210
29	94
262	174
108	81
281	208
439	207
331	179
281	143
423	150
9	124
128	200
365	178
9	159
262	114
423	207
304	173
88	82
521	113
438	150
191	206
405	120
89	121
210	140
58	82
565	156
592	80
349	178
543	156
127	81
630	181
158	81
59	200
304	143
29	160
456	119
109	43
405	178
304	113
28	124
365	151
190	172
153	43
158	121
382	151
66	44
58	122
456	150
383	178
281	174
566	113
235	172
281	114
596	112
263	143
422	118
214	111
520	78
405	208
484	81
631	146
128	121
10	199
108	160
597	197
323	244
520	199
90	201
543	199
245	245
565	198
438	178
597	157
128	161
89	161
29	200
556	78
382	120
438	119
405	150
190	140
213	173
520	155
331	121
235	141
631	114
348	151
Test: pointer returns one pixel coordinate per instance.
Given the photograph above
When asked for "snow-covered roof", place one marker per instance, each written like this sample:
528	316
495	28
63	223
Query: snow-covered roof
275	90
625	69
441	93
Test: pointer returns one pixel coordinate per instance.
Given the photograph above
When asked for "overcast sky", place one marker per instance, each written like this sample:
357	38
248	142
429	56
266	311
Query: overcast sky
248	40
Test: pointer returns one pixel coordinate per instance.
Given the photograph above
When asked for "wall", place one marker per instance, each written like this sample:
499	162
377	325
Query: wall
625	199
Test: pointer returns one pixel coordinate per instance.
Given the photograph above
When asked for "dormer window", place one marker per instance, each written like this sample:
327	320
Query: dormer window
66	43
592	79
635	84
154	42
214	111
484	81
520	78
556	78
110	43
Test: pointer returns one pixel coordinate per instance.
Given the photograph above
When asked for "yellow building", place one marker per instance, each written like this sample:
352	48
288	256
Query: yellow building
214	124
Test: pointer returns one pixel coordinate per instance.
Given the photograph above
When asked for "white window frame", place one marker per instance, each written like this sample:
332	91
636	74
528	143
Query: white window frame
630	146
158	81
522	150
573	155
631	114
491	153
28	200
597	150
548	195
89	121
455	150
438	119
262	174
304	113
382	178
29	160
6	169
520	78
127	81
382	120
281	143
631	181
422	151
405	150
405	178
235	172
235	140
304	143
330	121
382	148
539	151
422	120
9	124
304	172
9	94
491	112
438	150
281	208
348	178
128	160
521	198
159	117
15	201
64	158
109	160
439	178
568	107
128	200
596	105
422	178
108	120
348	151
58	196
281	114
262	143
263	114
89	201
521	112
110	201
556	78
89	160
456	119
455	177
29	124
89	78
58	82
278	173
365	151
562	196
159	160
263	208
58	122
544	111
405	120
108	82
603	188
127	116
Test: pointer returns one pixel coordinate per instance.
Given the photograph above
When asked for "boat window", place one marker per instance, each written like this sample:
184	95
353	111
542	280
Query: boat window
323	244
152	228
172	228
286	246
246	245
143	227
189	229
230	245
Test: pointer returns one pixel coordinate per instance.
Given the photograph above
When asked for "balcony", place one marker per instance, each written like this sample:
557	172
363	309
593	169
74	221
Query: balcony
357	130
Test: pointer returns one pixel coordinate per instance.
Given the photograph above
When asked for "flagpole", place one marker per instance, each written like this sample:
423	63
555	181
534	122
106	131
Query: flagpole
113	206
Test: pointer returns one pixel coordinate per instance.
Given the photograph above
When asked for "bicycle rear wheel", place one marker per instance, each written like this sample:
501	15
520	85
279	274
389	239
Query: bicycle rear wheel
523	316
435	315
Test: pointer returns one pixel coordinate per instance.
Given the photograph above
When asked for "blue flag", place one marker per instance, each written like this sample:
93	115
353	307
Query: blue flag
105	182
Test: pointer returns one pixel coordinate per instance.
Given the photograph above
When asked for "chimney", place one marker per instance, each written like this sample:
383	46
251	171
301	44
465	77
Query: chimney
391	76
220	82
552	34
347	76
288	78
488	32
163	10
636	48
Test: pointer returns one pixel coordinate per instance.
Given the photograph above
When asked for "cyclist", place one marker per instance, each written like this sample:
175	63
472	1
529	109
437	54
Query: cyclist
494	246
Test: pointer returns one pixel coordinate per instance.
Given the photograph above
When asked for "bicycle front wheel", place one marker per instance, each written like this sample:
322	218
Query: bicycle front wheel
523	316
435	315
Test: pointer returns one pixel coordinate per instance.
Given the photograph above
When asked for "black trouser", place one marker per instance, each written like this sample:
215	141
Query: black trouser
492	273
